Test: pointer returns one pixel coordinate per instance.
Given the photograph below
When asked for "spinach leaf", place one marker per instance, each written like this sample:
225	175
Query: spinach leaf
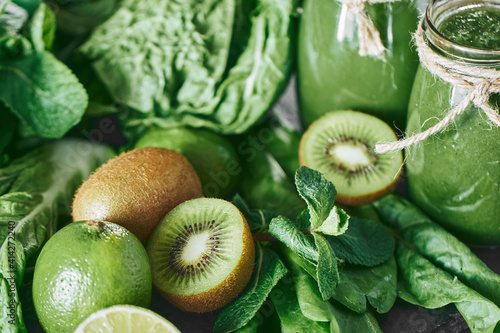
365	243
320	194
288	309
424	284
35	190
349	321
282	141
258	220
438	246
309	297
263	182
377	284
268	270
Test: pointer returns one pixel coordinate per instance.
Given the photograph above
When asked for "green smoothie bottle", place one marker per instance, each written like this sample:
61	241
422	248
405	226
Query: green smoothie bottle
338	66
454	174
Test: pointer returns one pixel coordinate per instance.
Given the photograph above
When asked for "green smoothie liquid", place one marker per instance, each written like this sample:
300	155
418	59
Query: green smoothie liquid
473	28
455	175
333	76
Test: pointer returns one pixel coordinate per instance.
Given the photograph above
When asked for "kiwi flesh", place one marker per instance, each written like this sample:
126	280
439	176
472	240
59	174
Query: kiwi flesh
202	254
137	189
341	145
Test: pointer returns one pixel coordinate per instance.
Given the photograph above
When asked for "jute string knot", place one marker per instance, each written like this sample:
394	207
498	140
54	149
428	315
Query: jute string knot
479	82
368	35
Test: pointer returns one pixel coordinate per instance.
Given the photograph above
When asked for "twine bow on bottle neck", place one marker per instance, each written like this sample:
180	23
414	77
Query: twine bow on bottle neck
479	82
368	35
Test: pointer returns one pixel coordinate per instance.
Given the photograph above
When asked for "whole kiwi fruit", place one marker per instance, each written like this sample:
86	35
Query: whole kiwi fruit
137	189
202	254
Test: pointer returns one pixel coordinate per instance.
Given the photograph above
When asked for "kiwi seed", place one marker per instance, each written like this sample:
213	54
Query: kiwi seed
341	146
202	254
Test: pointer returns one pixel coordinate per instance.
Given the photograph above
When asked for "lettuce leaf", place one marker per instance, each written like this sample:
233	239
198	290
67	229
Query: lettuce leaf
169	62
35	191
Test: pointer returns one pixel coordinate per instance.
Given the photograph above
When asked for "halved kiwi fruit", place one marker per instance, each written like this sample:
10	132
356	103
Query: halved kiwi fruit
202	254
341	145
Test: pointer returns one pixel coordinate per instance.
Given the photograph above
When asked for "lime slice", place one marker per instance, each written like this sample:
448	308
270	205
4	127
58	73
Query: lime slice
124	319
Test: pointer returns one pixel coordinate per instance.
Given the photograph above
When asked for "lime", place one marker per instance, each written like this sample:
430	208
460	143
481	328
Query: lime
125	319
85	267
212	155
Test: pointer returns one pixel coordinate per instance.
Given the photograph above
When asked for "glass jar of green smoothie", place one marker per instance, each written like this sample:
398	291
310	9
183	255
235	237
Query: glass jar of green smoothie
454	174
336	71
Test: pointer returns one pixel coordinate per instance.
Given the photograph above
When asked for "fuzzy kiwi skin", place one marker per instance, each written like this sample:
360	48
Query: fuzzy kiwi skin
353	200
227	290
137	189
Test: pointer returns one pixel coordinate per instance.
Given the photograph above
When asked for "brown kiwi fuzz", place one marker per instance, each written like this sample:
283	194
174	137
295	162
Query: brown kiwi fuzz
137	189
202	254
341	146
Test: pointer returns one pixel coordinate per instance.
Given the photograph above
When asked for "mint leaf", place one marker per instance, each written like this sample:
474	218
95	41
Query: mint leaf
42	28
268	270
258	220
335	224
43	93
327	272
12	18
286	232
365	243
320	194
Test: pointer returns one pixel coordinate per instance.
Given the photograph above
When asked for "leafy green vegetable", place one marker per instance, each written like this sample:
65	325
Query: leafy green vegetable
349	321
79	17
268	270
436	269
12	18
43	93
287	233
264	184
42	28
309	298
315	308
288	309
438	246
327	272
35	190
377	284
282	142
7	127
425	285
37	88
180	51
364	243
320	194
258	220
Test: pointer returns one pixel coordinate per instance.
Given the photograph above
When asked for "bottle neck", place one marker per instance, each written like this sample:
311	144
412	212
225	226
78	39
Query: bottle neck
440	11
